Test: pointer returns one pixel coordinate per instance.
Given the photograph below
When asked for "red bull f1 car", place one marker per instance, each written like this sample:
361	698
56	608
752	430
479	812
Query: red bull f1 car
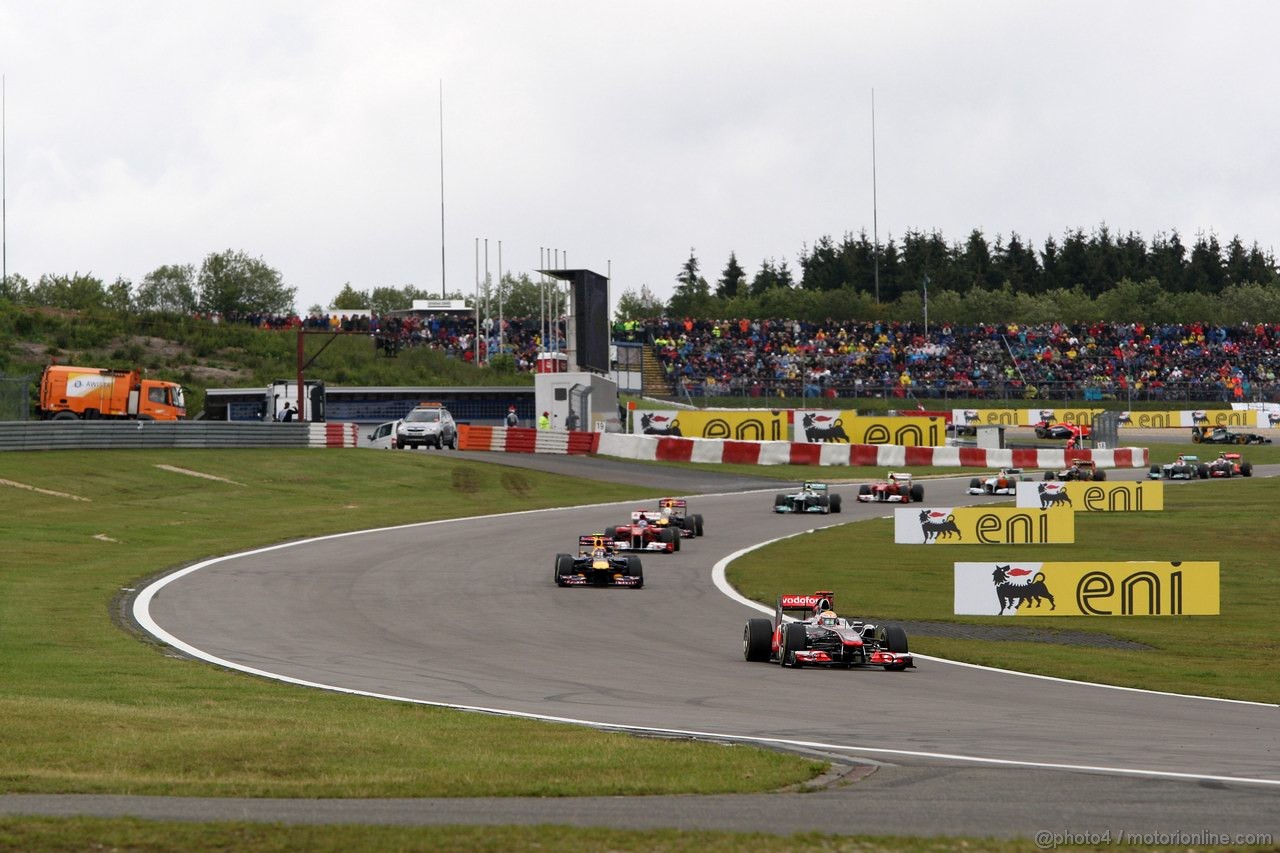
812	497
805	631
1080	469
897	489
1004	483
674	512
646	532
597	564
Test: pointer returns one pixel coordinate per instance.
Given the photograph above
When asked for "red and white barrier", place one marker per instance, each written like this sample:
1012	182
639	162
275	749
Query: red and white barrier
522	440
333	435
666	449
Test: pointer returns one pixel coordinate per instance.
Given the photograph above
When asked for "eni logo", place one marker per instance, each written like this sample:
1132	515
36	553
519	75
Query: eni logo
911	434
1119	497
1138	588
747	429
1019	527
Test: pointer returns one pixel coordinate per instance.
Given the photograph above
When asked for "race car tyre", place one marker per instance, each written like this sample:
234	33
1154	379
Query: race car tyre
564	568
1155	471
611	533
1242	439
793	640
779	501
671	537
757	638
1196	437
1049	475
864	489
893	639
1041	432
1100	474
917	493
824	502
975	483
1202	471
688	524
1246	469
635	569
697	524
835	503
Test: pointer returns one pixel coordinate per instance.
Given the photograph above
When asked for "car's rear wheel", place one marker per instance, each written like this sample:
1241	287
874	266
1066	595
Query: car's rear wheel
1242	439
917	492
757	637
1100	474
564	568
835	503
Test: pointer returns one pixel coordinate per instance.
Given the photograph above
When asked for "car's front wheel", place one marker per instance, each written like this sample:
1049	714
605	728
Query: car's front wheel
757	639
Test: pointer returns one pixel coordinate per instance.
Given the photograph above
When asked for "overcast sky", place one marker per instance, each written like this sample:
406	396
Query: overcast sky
308	133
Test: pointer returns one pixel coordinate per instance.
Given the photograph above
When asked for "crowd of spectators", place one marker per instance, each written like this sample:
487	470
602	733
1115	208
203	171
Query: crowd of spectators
997	360
452	334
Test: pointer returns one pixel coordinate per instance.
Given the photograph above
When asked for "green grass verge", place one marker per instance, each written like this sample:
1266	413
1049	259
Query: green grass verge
88	707
43	834
1233	655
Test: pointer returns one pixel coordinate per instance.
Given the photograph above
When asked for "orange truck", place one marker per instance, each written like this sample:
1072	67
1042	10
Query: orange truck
68	393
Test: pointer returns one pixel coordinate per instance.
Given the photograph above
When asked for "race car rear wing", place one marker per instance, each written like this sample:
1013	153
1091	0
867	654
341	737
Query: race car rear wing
595	540
673	503
803	606
815	487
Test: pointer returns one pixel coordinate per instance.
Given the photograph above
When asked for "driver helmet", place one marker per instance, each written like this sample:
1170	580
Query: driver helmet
599	553
828	617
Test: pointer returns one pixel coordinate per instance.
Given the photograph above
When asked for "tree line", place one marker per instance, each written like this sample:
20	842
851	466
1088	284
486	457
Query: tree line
1079	278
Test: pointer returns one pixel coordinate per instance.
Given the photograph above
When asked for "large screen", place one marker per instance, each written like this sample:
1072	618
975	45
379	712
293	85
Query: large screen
591	320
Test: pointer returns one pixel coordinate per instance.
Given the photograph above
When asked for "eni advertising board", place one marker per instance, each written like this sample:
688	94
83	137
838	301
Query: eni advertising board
841	426
1137	588
745	425
983	526
1088	496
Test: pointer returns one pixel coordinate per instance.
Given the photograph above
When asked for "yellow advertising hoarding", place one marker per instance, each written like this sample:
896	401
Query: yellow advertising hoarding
1091	496
1137	588
1194	417
842	426
746	425
971	525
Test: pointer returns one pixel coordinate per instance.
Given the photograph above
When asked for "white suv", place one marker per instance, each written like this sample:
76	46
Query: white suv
428	425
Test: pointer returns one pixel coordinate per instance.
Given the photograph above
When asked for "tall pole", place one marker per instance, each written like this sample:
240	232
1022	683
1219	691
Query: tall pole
443	290
502	337
488	355
926	305
542	299
875	223
4	186
476	344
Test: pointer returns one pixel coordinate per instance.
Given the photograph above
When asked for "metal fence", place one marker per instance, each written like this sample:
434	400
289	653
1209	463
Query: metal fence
15	397
120	435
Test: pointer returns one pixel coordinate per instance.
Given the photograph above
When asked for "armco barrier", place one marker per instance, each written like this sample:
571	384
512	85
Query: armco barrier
142	435
668	449
523	440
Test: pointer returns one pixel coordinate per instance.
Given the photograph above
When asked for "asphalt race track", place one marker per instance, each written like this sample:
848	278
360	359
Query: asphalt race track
466	613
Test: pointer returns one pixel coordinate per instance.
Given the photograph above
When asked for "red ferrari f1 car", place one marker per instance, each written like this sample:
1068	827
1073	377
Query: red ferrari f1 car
897	489
646	532
816	636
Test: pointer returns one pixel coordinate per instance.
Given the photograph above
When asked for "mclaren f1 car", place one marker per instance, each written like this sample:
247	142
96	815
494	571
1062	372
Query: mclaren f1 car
805	631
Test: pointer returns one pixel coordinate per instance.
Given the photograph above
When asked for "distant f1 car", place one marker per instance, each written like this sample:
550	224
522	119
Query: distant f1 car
1185	467
1047	429
1080	469
812	497
897	489
1222	435
818	637
645	533
597	564
1004	483
674	512
1229	465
